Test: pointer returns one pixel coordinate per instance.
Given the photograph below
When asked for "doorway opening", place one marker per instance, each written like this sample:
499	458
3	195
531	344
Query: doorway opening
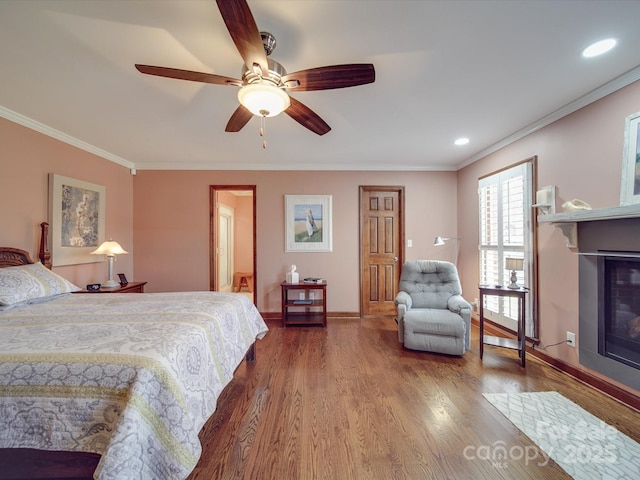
232	239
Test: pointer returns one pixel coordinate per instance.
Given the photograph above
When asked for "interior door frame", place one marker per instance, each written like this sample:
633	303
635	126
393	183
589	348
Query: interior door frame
225	211
213	231
399	189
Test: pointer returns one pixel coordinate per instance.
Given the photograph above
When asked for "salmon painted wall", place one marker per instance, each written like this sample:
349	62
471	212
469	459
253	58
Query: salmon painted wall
243	235
582	155
171	227
26	159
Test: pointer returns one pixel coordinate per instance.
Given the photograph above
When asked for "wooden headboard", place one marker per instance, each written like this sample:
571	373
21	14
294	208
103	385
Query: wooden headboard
13	257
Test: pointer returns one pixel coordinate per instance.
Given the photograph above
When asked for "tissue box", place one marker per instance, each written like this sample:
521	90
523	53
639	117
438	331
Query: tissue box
293	277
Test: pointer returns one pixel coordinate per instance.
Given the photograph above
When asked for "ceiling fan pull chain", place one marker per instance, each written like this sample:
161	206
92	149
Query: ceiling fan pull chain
262	125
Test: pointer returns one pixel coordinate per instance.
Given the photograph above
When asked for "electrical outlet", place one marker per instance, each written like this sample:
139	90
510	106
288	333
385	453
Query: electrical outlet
409	243
571	339
312	295
301	295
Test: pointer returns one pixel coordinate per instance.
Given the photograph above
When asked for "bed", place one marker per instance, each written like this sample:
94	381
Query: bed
129	377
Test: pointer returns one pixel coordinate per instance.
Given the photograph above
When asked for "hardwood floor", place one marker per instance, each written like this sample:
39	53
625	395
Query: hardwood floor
348	402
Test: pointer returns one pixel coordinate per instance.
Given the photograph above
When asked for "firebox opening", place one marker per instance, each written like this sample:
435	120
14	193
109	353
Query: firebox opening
619	308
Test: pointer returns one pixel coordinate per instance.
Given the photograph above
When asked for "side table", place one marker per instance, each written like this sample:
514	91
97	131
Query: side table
304	304
520	343
131	287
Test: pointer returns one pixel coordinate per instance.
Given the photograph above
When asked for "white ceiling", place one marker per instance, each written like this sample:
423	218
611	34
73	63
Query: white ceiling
488	70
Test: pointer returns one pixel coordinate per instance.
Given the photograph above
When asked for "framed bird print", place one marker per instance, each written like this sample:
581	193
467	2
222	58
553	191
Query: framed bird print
307	223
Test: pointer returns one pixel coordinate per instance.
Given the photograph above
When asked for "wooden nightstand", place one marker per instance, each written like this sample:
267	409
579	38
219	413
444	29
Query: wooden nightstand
304	304
131	287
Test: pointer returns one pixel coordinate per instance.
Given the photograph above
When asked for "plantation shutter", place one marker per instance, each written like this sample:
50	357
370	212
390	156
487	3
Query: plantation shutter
506	232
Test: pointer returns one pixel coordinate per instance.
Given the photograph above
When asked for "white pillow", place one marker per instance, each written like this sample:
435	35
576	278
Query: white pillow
30	282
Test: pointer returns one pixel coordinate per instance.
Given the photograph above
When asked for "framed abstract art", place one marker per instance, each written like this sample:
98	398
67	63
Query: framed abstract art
76	219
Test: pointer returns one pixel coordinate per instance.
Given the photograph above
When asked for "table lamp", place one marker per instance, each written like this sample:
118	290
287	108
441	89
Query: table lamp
514	264
110	249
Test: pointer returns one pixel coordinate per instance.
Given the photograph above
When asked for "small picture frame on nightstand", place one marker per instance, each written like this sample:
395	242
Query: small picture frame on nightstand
123	280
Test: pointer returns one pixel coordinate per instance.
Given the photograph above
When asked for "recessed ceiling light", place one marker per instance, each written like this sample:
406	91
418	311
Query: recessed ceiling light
461	141
598	48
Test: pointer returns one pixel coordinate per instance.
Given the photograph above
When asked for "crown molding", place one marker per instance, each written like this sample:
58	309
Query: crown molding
617	83
63	137
297	167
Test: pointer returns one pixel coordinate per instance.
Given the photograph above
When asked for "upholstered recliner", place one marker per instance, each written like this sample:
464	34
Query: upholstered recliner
432	315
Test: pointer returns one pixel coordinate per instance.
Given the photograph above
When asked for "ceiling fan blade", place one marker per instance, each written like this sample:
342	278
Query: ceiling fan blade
334	76
188	75
307	117
244	32
238	120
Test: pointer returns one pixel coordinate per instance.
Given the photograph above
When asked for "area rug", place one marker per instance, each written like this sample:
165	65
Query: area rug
583	445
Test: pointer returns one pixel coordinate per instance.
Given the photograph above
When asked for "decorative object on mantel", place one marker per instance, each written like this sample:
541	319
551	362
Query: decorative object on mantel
546	199
630	187
567	221
110	249
575	205
514	264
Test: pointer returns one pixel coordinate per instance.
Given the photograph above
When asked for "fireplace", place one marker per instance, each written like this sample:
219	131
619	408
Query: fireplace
619	308
609	296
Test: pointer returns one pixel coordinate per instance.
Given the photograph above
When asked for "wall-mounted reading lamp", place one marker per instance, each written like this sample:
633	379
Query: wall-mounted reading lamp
442	240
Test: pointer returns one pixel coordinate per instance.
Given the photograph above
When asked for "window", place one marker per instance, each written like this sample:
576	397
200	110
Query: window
506	231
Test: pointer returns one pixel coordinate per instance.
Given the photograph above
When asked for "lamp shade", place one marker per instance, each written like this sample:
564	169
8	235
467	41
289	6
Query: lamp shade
442	240
514	263
109	248
263	100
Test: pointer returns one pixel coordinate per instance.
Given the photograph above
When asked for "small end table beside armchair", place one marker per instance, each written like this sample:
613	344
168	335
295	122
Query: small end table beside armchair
520	342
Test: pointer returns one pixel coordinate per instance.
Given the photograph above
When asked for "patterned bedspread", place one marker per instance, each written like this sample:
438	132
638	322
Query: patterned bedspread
133	377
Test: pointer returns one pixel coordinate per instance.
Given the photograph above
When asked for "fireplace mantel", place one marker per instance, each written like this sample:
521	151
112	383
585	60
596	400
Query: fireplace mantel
567	221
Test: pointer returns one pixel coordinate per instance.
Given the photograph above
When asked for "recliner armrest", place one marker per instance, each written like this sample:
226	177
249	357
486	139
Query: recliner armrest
403	302
458	304
403	298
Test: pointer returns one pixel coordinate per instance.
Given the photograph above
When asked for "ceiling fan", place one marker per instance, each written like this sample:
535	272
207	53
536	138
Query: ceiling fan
265	83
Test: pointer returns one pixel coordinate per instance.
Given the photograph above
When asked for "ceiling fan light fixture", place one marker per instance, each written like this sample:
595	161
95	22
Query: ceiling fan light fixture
263	100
